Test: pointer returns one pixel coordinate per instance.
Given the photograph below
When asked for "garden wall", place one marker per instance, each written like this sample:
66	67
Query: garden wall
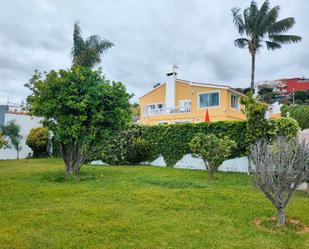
239	164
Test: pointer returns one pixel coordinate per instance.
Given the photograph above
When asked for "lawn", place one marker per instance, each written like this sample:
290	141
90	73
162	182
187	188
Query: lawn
136	207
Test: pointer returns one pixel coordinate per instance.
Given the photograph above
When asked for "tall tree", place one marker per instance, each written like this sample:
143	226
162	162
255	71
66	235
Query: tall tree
87	53
81	108
12	131
261	26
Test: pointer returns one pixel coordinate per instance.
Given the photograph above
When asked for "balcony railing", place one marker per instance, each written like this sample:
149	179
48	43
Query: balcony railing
166	111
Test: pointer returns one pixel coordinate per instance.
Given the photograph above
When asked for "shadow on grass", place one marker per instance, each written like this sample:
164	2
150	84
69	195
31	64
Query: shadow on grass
169	183
60	177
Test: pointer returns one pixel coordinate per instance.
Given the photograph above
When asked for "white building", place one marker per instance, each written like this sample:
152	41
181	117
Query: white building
26	122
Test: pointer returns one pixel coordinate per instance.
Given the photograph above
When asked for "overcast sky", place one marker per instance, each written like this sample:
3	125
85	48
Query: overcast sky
149	36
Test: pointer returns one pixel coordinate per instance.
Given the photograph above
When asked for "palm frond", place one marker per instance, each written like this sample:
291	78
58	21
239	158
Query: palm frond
262	13
246	14
238	20
281	26
78	42
254	10
99	45
268	20
285	39
272	45
241	42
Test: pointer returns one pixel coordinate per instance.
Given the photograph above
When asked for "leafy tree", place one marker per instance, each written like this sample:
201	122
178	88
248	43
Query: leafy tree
12	131
261	25
81	108
37	140
299	112
300	97
212	149
279	169
87	52
3	142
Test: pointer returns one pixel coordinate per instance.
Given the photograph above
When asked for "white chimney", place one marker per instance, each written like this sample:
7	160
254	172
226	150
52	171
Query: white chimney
170	89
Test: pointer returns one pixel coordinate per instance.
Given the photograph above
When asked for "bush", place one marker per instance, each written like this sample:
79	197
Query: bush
212	149
3	142
37	140
172	141
299	112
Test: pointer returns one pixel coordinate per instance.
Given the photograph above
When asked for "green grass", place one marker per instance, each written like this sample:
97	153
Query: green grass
136	207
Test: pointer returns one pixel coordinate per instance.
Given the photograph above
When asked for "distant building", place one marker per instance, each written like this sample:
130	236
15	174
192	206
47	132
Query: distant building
286	87
25	121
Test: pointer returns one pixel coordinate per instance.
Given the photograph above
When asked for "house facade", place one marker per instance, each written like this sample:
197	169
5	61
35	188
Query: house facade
178	101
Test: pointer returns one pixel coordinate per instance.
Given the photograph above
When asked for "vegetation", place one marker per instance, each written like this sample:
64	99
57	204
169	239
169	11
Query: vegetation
212	149
81	108
301	97
139	207
279	169
257	125
12	131
3	142
37	140
128	147
87	53
172	141
261	25
299	112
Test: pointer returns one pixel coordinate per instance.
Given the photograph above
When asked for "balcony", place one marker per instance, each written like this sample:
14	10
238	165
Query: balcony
166	111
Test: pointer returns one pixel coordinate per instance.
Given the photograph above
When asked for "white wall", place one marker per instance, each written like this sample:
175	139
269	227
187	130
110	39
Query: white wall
189	162
26	122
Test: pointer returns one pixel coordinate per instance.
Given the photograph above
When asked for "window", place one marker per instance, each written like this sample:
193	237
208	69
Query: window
185	105
155	106
208	99
235	101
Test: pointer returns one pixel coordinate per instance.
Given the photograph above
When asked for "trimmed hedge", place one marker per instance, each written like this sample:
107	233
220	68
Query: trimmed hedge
171	141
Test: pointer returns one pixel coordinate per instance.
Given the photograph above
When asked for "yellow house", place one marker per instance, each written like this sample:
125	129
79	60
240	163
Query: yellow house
178	101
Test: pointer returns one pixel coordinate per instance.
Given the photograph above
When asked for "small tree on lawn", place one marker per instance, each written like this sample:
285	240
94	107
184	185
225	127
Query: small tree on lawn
212	149
280	168
81	108
37	140
12	131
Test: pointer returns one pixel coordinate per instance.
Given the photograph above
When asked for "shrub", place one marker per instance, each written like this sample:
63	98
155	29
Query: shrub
172	141
212	149
280	168
3	142
37	140
257	125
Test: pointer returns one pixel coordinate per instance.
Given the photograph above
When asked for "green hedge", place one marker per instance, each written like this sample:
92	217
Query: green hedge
171	141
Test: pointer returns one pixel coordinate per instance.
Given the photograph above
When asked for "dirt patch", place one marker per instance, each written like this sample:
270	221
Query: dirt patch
270	225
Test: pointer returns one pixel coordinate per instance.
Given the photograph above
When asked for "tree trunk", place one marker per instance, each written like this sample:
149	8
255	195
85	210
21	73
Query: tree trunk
71	155
252	71
17	154
281	217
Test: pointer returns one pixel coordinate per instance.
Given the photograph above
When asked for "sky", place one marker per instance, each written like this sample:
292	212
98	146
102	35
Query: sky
149	37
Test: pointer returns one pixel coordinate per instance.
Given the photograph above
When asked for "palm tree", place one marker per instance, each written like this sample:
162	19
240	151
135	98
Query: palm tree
262	26
87	53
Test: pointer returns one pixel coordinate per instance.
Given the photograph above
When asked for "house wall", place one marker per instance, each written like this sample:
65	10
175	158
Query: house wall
26	122
189	91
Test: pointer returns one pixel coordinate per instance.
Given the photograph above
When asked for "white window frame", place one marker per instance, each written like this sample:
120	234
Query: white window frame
188	100
238	101
209	107
156	105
